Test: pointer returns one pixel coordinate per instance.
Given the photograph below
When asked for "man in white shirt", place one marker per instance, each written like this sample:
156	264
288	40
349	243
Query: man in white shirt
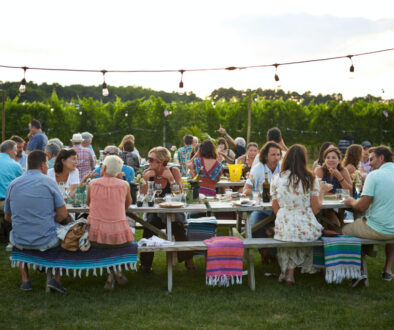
269	162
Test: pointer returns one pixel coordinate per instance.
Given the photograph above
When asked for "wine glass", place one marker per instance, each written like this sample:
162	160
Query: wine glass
185	191
175	189
158	189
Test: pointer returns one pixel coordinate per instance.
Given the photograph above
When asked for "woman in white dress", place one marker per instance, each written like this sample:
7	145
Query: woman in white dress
296	198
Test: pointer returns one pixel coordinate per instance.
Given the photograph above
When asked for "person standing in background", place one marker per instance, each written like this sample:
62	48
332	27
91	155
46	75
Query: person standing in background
37	138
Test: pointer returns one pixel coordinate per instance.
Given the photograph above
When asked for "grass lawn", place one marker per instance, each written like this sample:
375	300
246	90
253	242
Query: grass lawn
145	302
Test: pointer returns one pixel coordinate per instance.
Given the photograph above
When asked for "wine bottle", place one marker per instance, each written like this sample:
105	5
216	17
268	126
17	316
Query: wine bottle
266	189
197	176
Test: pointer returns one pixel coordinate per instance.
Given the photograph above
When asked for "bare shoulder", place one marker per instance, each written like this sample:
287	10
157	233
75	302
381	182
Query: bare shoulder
319	172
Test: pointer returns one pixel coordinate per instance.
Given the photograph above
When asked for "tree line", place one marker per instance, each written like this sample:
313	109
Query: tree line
145	118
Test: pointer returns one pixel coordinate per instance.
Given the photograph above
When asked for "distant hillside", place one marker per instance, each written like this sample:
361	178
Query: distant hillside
43	92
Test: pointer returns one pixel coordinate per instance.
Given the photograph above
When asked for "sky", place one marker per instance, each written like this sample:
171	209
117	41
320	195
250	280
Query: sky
150	34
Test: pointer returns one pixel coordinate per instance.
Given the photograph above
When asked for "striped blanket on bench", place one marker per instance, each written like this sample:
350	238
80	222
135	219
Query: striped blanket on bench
95	260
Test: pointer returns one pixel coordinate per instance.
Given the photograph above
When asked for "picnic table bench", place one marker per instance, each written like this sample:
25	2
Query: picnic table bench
249	244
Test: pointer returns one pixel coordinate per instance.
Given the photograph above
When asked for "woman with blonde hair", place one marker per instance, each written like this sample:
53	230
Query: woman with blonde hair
166	177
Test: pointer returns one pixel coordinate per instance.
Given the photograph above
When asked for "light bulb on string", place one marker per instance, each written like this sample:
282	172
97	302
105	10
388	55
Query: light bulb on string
80	113
181	82
126	114
351	69
276	77
22	87
105	91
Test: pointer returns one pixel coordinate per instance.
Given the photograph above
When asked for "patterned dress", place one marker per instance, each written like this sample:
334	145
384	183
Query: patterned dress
295	222
208	178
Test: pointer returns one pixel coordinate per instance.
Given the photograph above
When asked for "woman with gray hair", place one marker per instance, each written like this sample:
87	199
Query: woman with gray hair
52	149
108	198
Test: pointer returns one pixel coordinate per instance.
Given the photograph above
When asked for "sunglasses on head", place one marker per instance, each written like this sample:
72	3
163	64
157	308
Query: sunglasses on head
110	153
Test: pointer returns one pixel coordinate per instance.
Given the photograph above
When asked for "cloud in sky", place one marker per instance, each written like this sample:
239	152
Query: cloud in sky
179	34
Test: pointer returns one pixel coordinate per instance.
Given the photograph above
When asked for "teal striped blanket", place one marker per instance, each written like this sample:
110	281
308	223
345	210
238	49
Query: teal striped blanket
342	258
93	260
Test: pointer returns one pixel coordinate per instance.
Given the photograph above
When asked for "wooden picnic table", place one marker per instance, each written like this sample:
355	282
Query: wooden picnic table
214	207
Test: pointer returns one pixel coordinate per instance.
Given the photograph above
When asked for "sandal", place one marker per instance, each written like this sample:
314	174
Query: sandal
121	278
282	277
110	283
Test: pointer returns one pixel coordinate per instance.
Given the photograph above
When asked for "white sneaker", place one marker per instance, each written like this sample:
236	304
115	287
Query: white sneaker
8	248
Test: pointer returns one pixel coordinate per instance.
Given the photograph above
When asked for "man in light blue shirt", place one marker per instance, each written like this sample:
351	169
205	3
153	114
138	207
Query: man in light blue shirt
269	162
35	206
38	139
9	170
127	170
378	196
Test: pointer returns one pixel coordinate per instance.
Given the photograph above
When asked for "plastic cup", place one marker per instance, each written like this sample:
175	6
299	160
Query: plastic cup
228	194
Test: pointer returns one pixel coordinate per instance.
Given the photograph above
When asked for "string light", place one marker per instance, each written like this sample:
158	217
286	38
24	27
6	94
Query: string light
105	91
181	82
22	87
126	114
351	69
276	72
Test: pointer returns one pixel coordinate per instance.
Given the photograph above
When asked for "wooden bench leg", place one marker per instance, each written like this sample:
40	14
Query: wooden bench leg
364	268
251	276
169	267
49	276
170	218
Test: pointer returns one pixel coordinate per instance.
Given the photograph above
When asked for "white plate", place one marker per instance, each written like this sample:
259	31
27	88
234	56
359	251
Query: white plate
244	202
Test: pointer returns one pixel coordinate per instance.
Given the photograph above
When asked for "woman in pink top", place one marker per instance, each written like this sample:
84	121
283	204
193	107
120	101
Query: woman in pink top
108	198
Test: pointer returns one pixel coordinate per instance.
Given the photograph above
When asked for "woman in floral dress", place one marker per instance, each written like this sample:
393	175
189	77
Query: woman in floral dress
296	198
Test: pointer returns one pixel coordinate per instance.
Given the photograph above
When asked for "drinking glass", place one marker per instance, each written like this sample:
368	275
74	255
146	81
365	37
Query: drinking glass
175	189
140	200
228	194
158	189
185	191
345	193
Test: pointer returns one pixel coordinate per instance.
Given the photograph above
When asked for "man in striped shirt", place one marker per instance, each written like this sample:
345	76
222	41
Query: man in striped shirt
86	162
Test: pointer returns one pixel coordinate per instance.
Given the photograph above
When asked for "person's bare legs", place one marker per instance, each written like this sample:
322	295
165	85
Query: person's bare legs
389	258
24	273
57	276
290	276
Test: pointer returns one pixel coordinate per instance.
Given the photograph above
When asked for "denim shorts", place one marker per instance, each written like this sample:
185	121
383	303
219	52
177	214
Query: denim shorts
55	242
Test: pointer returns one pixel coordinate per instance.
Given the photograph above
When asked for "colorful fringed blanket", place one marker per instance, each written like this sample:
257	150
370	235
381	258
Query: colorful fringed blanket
201	228
224	260
96	260
342	258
